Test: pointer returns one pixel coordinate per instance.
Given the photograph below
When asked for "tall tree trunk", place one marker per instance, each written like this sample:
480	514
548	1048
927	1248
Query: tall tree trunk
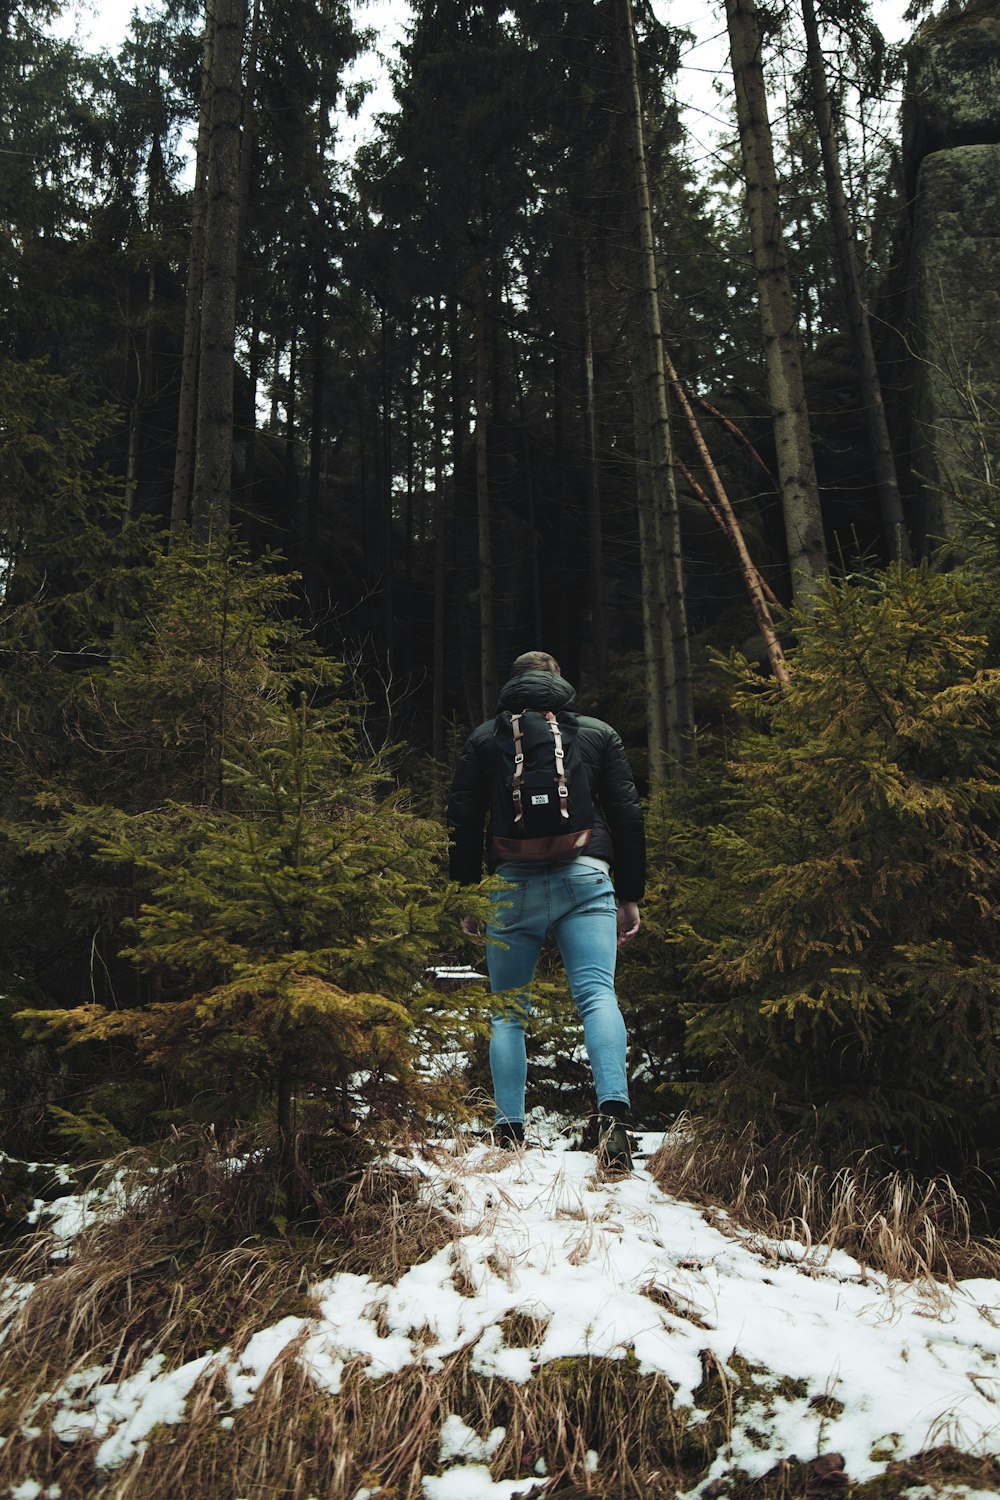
665	510
487	648
560	595
528	495
314	482
438	747
214	446
782	353
250	466
385	507
659	683
143	367
249	133
464	643
292	498
883	461
595	546
132	451
249	274
412	376
184	459
277	354
287	1150
368	490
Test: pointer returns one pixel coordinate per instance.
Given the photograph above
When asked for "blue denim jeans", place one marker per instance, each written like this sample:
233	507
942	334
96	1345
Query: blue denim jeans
576	902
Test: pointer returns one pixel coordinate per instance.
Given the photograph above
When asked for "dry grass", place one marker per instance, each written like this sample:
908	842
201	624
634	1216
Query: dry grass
158	1279
385	1227
126	1293
936	1472
295	1440
890	1222
161	1274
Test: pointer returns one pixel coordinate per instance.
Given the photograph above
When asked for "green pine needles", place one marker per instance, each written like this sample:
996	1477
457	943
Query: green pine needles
279	902
837	918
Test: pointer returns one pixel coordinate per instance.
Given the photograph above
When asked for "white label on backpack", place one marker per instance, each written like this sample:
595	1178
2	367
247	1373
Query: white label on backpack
540	800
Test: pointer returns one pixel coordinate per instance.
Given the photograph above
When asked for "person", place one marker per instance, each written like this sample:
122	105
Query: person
589	914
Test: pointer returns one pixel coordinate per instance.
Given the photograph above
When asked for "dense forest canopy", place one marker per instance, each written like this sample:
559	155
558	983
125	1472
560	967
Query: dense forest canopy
298	450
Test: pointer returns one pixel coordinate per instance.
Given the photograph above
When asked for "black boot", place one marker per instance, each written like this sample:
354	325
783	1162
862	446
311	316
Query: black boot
613	1155
509	1134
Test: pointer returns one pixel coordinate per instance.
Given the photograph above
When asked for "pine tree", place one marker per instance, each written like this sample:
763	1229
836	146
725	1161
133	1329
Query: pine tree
839	918
287	902
67	567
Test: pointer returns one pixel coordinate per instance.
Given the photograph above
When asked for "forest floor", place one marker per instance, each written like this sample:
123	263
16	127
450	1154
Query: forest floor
525	1329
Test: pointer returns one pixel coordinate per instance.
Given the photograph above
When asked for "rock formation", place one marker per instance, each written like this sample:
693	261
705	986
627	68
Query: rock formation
951	129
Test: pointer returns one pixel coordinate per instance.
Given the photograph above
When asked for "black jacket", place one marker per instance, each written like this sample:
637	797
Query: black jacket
618	833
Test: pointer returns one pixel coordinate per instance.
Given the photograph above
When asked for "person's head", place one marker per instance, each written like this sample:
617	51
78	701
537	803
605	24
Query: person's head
534	661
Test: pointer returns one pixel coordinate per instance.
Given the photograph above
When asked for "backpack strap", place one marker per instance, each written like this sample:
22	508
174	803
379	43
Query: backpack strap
560	765
515	724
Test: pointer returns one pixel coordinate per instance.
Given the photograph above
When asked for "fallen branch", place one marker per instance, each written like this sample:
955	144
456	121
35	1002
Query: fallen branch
740	436
727	518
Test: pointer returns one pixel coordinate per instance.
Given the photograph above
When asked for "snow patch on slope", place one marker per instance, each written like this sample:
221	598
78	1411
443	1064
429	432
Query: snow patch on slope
870	1369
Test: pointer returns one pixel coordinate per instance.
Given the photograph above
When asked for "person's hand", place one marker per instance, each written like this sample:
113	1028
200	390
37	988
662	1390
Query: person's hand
628	921
472	928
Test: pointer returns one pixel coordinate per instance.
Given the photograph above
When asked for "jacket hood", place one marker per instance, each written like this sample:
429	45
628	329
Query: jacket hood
538	690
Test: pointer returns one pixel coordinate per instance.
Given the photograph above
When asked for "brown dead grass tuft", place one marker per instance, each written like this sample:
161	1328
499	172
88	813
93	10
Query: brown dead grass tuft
387	1225
524	1330
296	1440
665	1298
946	1467
890	1222
938	1471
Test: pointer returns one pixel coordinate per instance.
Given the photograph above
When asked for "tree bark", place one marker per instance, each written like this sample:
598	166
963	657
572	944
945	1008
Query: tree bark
884	463
463	644
292	498
782	353
660	711
560	596
534	574
438	747
143	364
184	459
214	445
250	466
595	547
680	747
249	111
487	650
385	497
314	482
287	1153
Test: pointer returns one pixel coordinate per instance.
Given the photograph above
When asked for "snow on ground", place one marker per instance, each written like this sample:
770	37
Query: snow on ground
609	1268
68	1216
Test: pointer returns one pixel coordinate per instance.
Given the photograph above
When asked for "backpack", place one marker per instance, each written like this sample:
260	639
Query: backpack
542	807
